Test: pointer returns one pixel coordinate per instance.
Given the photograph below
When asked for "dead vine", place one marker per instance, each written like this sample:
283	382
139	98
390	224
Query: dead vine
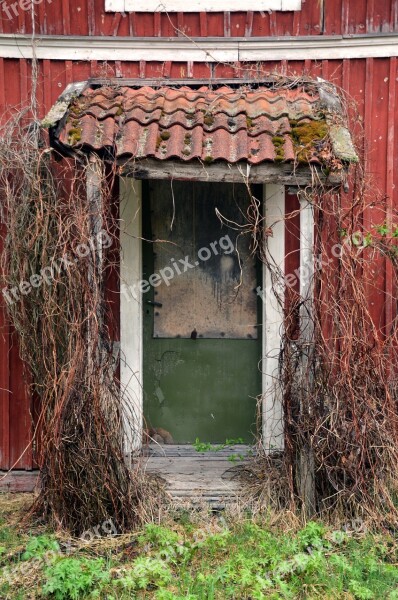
59	248
338	361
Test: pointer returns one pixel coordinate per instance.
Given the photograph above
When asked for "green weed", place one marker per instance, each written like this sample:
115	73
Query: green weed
202	560
74	578
208	447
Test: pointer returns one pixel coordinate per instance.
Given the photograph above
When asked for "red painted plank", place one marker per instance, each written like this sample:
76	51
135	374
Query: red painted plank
24	83
238	23
310	19
180	24
113	26
215	24
370	215
378	16
53	17
89	18
274	29
20	19
345	16
143	25
392	84
42	19
2	90
157	26
112	278
20	411
191	24
394	16
249	23
133	24
57	80
292	262
357	18
282	23
12	83
296	23
292	238
203	24
131	69
81	70
202	71
66	17
370	16
227	24
168	24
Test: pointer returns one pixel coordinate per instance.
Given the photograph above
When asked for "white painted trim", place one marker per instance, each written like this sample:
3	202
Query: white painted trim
306	268
200	5
131	326
114	5
272	409
198	49
131	336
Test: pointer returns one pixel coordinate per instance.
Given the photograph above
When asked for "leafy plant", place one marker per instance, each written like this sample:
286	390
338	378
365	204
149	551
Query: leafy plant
146	572
158	536
75	578
383	229
40	545
203	446
207	446
312	534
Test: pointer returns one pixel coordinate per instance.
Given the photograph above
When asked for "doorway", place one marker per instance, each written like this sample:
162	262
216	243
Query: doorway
202	332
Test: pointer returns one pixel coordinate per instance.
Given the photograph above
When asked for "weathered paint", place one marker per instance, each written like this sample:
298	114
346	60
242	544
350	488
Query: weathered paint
153	6
208	272
371	82
337	17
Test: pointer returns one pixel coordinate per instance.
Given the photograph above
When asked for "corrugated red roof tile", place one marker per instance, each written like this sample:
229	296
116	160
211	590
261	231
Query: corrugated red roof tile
228	124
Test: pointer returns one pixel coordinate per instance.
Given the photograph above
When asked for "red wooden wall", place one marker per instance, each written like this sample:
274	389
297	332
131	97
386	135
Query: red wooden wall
317	17
371	82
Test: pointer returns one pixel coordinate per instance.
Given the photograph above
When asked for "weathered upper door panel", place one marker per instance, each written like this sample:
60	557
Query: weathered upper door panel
206	272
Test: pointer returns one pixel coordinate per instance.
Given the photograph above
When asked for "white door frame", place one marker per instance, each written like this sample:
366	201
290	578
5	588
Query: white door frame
131	333
131	371
273	318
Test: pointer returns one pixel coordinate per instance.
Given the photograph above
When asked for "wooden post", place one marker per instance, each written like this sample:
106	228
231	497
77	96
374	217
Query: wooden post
306	467
131	347
272	407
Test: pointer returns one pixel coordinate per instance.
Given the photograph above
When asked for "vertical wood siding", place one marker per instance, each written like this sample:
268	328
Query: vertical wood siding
371	83
317	17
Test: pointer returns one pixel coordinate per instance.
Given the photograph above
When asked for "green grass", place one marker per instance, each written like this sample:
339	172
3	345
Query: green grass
203	560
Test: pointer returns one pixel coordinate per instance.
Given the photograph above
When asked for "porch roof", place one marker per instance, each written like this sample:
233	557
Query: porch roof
279	121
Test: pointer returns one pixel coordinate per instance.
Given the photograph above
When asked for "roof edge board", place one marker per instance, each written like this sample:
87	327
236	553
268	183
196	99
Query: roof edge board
284	174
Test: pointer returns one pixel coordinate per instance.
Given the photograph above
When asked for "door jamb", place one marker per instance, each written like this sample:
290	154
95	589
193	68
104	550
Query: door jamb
131	346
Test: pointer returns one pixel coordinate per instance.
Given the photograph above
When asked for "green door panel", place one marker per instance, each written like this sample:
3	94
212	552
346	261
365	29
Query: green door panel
196	388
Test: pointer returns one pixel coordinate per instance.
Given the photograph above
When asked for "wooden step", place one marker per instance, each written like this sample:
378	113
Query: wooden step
198	476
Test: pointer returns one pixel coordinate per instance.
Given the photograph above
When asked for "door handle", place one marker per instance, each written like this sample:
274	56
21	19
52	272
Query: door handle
152	303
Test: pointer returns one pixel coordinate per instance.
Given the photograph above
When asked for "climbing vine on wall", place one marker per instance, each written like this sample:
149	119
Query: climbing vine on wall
338	359
59	243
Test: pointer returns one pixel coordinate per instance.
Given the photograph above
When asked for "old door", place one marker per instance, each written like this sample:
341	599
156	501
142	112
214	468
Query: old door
202	332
